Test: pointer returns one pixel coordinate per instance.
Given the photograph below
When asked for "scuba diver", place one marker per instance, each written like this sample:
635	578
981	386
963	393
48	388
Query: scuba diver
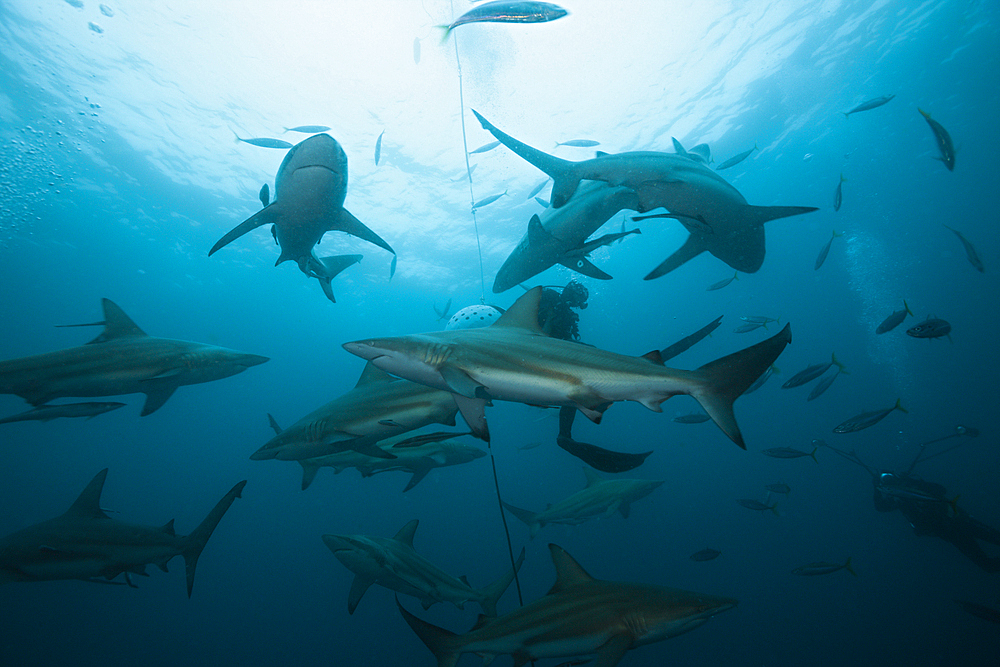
927	507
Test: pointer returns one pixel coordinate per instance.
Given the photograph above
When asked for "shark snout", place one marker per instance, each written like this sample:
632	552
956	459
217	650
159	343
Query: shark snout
339	543
248	360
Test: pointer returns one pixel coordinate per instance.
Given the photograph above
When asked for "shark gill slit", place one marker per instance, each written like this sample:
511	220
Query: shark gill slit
482	300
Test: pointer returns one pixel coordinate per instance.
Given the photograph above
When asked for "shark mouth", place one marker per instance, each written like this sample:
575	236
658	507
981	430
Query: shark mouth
317	166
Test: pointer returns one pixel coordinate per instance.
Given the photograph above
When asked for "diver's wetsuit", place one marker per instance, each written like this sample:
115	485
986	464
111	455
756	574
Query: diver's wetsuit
929	511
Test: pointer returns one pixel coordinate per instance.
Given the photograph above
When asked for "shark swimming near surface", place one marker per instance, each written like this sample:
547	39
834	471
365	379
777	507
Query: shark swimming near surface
379	406
559	235
393	563
123	359
309	193
514	360
85	543
599	498
580	615
718	218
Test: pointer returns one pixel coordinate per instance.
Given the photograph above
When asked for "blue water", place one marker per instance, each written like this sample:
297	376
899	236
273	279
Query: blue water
118	171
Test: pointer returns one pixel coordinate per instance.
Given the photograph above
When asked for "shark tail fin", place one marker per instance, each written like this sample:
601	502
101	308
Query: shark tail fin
493	592
528	517
261	217
722	381
441	642
196	541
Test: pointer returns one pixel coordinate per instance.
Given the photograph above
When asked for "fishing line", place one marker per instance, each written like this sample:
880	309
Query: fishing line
482	300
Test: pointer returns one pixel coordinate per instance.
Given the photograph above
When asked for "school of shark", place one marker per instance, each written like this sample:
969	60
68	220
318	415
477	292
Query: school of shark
415	385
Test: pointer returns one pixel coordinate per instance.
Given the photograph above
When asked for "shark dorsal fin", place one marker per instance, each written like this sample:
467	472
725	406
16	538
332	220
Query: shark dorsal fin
537	234
405	534
465	580
372	375
655	356
168	528
524	313
116	324
592	477
88	504
568	571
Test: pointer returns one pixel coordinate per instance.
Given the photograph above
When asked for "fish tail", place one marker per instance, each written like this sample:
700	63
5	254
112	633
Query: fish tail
899	406
446	34
442	643
492	593
837	234
847	114
908	308
847	566
528	517
196	541
954	504
924	113
842	179
840	366
813	455
774	508
722	381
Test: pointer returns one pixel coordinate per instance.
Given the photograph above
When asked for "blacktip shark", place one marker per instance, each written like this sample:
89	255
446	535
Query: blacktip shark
44	413
514	360
85	543
599	498
393	563
559	235
309	193
718	218
580	615
379	406
123	359
417	455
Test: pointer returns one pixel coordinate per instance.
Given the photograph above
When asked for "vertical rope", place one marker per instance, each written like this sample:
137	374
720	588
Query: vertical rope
482	300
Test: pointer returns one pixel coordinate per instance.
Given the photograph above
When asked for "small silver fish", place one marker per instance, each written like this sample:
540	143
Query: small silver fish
721	283
826	250
705	554
543	202
538	188
789	453
485	147
866	419
44	413
736	159
416	50
759	382
488	200
870	104
378	148
783	489
693	418
760	319
442	314
945	146
970	251
502	11
579	143
811	373
822	385
813	569
932	327
838	196
308	129
264	142
748	327
756	505
894	320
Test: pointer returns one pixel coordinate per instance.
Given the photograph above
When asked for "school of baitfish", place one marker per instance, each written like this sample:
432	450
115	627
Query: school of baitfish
411	382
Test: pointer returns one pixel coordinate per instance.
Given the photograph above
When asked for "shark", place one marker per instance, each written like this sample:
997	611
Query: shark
417	455
85	543
599	498
580	615
44	413
559	235
123	359
393	563
309	193
379	406
514	360
717	217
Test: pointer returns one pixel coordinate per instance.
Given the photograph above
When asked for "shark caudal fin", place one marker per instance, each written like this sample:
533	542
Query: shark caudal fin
196	541
264	216
725	379
492	593
442	643
564	176
526	516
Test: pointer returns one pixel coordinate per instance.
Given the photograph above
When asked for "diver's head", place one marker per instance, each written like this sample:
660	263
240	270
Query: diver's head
575	295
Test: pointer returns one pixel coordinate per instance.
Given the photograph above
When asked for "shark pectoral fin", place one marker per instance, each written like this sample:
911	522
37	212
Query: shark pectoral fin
722	381
309	470
418	475
613	651
612	508
460	383
351	225
262	217
590	403
474	413
758	215
366	446
625	508
358	588
692	247
156	396
584	266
